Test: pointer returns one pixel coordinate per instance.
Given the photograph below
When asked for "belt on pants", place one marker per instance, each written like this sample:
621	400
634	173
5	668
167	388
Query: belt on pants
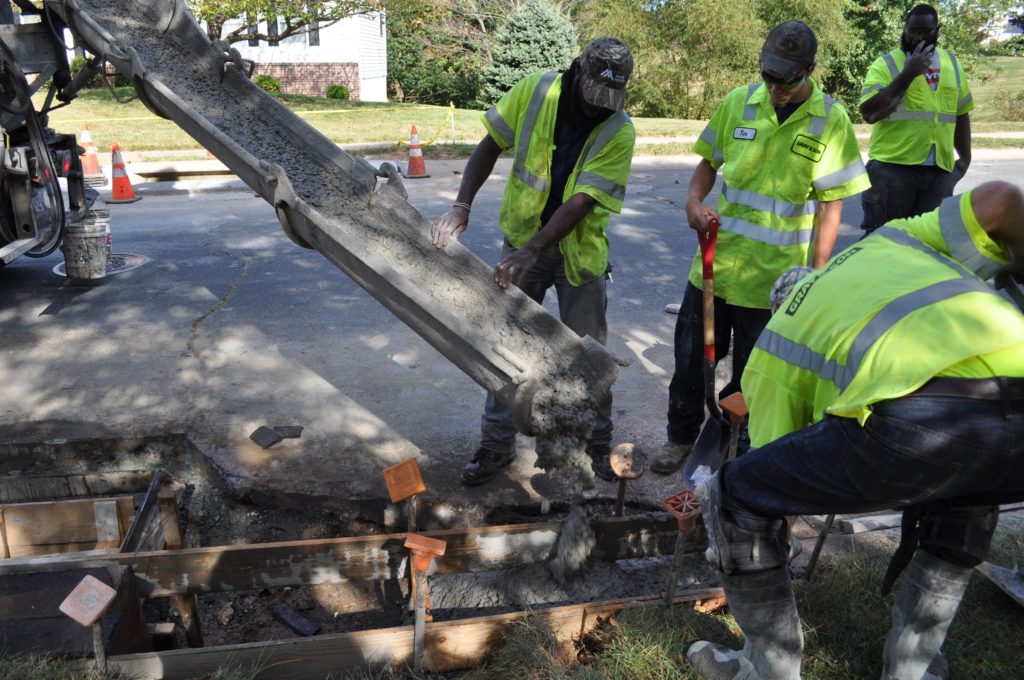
997	389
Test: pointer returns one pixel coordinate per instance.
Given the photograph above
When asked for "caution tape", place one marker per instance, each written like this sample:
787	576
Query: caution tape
450	118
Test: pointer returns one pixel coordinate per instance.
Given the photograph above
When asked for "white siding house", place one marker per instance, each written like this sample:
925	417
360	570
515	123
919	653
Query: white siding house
352	52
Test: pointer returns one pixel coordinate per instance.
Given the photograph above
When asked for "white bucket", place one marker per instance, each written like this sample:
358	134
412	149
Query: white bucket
85	250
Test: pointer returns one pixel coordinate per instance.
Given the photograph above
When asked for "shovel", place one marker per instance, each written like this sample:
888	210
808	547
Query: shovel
708	448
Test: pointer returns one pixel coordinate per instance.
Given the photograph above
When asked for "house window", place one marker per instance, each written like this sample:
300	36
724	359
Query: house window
314	29
272	32
251	28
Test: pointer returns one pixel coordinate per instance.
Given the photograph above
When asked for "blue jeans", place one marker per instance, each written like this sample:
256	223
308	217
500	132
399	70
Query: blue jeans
582	309
686	391
913	450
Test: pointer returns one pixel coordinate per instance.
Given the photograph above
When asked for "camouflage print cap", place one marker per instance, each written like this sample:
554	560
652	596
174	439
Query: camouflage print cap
605	67
789	50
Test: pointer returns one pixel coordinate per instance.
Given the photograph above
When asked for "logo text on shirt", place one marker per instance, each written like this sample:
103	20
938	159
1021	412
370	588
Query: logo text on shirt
805	288
744	133
808	147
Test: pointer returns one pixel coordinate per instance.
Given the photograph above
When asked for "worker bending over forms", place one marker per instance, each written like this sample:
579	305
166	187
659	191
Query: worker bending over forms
911	369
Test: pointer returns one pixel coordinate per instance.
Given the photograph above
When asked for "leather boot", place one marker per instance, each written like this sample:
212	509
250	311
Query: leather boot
765	609
925	606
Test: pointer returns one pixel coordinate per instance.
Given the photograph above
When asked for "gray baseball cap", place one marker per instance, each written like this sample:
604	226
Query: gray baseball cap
789	49
605	67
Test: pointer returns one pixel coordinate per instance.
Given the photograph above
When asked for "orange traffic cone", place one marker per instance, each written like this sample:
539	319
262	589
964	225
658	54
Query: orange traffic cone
417	167
123	191
92	174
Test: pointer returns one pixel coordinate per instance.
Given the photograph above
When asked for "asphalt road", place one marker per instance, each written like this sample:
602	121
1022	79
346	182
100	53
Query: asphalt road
230	326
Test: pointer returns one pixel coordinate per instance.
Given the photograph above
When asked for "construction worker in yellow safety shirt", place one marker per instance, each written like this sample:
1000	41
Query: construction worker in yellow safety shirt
573	147
918	101
789	157
910	368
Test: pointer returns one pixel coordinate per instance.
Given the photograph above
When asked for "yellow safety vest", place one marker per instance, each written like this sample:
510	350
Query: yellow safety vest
774	178
923	118
882	318
525	119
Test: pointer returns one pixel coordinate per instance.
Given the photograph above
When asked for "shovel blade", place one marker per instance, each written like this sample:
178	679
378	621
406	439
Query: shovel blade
709	450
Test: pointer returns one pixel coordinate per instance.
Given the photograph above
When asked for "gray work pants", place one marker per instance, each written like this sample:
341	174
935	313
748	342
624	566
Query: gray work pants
582	309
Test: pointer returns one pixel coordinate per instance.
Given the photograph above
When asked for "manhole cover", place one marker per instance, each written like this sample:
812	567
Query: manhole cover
117	264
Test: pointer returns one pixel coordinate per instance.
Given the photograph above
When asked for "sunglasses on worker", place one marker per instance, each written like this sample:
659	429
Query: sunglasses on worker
769	79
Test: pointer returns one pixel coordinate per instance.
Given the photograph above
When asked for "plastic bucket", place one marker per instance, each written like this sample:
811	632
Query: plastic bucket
85	250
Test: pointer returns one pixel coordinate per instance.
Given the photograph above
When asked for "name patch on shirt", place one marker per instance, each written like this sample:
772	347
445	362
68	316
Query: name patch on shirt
808	148
744	133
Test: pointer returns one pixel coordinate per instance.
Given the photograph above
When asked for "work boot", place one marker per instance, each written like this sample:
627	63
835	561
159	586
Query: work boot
765	609
925	606
484	466
671	457
600	461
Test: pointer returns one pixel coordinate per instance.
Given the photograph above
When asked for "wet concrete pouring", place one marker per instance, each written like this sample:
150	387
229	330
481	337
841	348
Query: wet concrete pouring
214	515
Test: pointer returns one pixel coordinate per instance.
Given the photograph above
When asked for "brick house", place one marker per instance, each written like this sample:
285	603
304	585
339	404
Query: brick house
352	52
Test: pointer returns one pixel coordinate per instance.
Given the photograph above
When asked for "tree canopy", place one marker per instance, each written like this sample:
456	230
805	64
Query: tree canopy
293	16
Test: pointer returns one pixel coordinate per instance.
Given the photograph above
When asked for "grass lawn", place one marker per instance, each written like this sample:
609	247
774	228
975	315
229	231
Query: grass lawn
136	129
1001	76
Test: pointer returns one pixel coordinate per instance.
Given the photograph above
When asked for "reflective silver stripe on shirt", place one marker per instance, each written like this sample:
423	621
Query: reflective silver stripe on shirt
961	245
607	131
890	61
750	110
965	101
710	137
956	69
519	170
776	206
901	113
902	238
613	189
816	124
800	356
840	176
765	234
947	117
868	90
899	309
507	134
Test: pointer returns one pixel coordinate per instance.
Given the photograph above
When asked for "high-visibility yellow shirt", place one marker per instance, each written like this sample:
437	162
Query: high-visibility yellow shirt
923	118
525	119
774	178
881	319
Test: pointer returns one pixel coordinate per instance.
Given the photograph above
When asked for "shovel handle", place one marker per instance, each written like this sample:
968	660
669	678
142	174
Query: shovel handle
707	241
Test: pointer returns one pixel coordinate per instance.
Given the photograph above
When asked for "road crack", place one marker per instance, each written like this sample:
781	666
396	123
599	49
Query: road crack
197	324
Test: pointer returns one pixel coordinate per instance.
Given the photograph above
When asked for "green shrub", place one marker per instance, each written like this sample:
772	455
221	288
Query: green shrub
338	92
267	83
536	37
1011	104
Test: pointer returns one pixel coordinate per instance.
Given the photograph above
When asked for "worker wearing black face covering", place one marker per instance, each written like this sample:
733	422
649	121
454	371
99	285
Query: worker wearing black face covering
919	104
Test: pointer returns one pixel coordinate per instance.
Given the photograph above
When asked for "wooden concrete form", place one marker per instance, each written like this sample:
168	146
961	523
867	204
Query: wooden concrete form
192	571
449	646
68	526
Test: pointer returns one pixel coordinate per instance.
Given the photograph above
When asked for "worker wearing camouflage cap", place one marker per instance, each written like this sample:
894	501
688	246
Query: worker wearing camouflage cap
572	146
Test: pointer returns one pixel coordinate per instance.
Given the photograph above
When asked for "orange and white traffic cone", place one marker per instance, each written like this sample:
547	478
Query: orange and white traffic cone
417	166
123	191
92	174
